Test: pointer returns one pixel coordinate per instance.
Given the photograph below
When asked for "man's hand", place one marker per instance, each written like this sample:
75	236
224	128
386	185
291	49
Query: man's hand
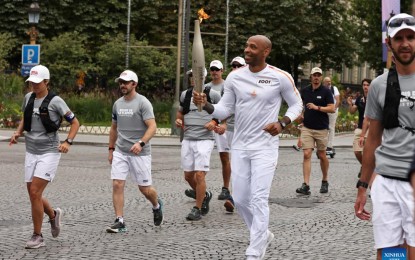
199	98
136	148
311	106
220	129
110	156
211	125
64	147
361	141
13	139
179	122
273	128
359	206
299	142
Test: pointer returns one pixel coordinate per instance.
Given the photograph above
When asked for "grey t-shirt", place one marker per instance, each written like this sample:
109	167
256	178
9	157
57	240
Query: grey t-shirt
37	140
194	121
230	121
129	117
394	155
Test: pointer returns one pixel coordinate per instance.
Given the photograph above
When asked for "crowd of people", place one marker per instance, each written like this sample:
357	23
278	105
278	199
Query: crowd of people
240	115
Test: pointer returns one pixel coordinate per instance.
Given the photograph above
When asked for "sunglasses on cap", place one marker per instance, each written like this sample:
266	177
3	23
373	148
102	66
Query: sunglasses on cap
214	69
236	65
398	22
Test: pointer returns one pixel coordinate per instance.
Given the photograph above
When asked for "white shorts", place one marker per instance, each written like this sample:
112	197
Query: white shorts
393	212
42	166
222	143
229	136
196	155
138	166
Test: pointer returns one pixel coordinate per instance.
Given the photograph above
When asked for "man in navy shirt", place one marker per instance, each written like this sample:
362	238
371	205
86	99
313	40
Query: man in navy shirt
318	101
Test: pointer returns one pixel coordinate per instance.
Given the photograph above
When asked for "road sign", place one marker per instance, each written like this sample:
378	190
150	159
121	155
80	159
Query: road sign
30	54
25	70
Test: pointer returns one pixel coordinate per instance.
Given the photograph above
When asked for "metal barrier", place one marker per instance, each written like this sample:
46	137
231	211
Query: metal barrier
290	132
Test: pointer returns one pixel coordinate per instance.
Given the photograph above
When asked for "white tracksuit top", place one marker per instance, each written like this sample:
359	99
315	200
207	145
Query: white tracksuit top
255	99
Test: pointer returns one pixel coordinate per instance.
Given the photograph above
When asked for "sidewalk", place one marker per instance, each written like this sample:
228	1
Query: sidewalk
343	140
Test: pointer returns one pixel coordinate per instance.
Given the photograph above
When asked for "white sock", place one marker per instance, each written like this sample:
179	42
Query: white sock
120	219
157	207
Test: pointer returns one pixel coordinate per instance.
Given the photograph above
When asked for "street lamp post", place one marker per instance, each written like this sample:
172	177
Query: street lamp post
34	13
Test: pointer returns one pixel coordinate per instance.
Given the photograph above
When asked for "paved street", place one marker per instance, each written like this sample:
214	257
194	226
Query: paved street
315	227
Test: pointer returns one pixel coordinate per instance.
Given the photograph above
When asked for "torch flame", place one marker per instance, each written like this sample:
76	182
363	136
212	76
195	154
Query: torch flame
202	15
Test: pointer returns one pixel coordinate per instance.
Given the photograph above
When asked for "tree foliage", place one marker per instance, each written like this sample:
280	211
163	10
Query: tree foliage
90	35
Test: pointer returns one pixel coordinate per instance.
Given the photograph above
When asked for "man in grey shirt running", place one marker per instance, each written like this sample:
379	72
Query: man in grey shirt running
133	125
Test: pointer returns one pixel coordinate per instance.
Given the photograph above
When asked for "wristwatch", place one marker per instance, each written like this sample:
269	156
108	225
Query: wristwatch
362	184
141	143
69	141
282	123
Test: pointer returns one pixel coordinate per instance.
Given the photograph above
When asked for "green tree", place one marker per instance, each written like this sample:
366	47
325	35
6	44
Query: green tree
65	55
7	42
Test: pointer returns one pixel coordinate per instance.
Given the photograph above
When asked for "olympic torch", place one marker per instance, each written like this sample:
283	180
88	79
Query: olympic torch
198	61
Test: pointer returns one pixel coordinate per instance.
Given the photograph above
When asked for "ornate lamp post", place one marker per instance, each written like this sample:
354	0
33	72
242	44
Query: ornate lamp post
34	13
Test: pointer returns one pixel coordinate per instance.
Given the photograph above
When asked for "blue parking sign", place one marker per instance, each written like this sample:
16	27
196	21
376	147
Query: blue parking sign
30	54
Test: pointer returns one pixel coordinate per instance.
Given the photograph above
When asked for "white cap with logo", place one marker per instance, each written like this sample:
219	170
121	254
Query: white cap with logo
217	64
127	75
239	60
38	73
316	70
399	22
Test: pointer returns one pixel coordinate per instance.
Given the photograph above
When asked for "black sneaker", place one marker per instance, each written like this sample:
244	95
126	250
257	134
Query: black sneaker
225	194
229	205
117	227
190	193
205	204
324	187
304	189
158	214
194	214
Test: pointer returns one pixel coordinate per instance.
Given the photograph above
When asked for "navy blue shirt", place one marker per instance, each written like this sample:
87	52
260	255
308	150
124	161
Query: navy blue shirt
321	96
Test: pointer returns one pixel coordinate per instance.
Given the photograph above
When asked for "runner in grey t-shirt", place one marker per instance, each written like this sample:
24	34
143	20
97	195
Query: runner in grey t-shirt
389	148
43	149
133	125
196	149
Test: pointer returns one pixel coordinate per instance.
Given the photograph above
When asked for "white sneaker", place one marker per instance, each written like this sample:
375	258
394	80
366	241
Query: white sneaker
270	237
55	224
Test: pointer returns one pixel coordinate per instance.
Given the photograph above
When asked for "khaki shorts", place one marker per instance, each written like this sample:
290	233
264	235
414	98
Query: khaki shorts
357	133
314	138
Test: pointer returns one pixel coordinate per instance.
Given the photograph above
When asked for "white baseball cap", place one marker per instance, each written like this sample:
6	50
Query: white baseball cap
239	60
127	75
191	72
399	22
217	64
316	70
38	73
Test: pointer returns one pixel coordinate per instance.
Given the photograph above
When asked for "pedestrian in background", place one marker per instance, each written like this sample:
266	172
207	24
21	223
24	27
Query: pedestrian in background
360	133
318	102
389	148
332	116
254	94
133	125
43	112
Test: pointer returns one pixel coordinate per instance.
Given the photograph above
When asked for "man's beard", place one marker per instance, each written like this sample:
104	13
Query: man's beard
395	54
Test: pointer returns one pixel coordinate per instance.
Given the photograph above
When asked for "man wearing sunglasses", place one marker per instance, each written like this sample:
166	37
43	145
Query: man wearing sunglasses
237	62
254	94
133	125
389	150
217	84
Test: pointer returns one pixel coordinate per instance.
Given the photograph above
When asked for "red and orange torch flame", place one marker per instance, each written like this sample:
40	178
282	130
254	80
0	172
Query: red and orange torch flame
202	15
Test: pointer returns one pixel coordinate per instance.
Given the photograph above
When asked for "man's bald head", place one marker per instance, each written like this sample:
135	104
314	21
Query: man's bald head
262	39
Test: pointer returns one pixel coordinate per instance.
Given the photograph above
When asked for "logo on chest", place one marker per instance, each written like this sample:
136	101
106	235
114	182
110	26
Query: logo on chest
263	82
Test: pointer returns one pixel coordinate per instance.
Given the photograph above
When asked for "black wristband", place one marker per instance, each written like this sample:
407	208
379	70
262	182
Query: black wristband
111	149
142	144
362	184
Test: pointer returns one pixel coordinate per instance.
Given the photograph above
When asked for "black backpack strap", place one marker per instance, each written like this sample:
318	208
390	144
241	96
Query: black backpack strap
49	125
186	102
392	100
207	92
28	112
